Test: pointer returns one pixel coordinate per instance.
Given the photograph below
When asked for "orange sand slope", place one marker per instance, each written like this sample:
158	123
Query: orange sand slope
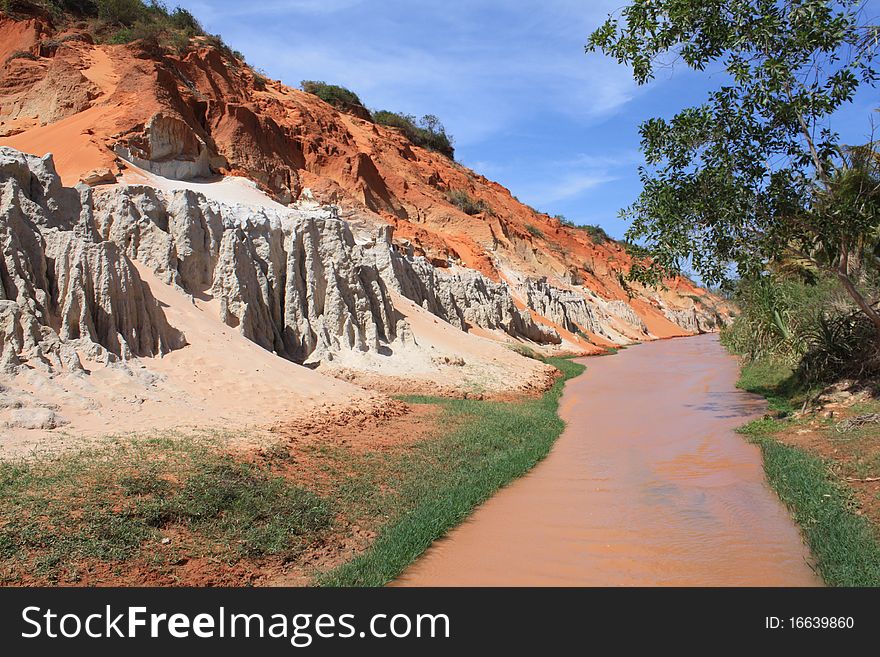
204	113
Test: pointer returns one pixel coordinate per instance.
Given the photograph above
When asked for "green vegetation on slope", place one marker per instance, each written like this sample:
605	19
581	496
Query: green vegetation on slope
489	444
153	24
339	97
813	484
595	231
427	132
464	202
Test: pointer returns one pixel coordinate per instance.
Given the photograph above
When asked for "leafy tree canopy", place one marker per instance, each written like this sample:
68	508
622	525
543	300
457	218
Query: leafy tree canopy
756	173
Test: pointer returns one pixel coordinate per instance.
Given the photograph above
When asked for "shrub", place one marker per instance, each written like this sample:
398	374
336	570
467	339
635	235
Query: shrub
21	54
80	7
83	8
840	346
463	201
534	230
776	315
427	132
122	12
179	41
339	97
808	325
596	233
260	81
121	36
216	41
183	20
146	30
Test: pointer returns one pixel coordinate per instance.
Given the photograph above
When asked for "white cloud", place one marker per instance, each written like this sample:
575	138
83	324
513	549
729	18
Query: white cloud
568	187
483	66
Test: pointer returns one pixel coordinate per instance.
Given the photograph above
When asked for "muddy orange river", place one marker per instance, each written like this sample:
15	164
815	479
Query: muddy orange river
648	485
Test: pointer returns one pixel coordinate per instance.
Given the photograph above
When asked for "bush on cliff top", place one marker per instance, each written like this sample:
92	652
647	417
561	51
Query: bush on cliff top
339	97
427	132
125	21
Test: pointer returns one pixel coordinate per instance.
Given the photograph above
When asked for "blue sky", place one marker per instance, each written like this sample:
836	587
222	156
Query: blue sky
510	80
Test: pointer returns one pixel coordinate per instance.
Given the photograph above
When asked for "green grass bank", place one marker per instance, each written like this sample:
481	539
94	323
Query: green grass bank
172	509
489	445
823	470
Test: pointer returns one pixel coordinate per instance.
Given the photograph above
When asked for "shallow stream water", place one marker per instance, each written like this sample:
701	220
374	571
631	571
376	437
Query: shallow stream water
648	485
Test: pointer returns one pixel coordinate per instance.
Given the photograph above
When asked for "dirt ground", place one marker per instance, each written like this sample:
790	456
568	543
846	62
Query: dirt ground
317	454
847	437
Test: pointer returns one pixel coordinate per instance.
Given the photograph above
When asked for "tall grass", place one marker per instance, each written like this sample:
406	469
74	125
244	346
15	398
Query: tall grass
335	95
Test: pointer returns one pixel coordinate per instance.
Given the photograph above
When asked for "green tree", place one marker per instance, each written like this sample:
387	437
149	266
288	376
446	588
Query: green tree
756	173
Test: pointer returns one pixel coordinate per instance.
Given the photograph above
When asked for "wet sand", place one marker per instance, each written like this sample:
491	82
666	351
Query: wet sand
648	485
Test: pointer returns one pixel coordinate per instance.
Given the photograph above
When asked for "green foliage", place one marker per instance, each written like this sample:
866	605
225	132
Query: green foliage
596	233
121	37
534	231
774	380
809	326
526	351
427	132
776	317
562	219
85	8
260	80
755	173
488	444
841	346
216	41
463	201
339	97
122	12
125	21
183	20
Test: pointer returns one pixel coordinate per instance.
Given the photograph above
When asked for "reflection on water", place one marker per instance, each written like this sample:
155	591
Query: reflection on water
649	485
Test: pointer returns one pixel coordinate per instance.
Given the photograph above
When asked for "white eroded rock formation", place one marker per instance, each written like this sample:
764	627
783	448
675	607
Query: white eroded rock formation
62	287
293	281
